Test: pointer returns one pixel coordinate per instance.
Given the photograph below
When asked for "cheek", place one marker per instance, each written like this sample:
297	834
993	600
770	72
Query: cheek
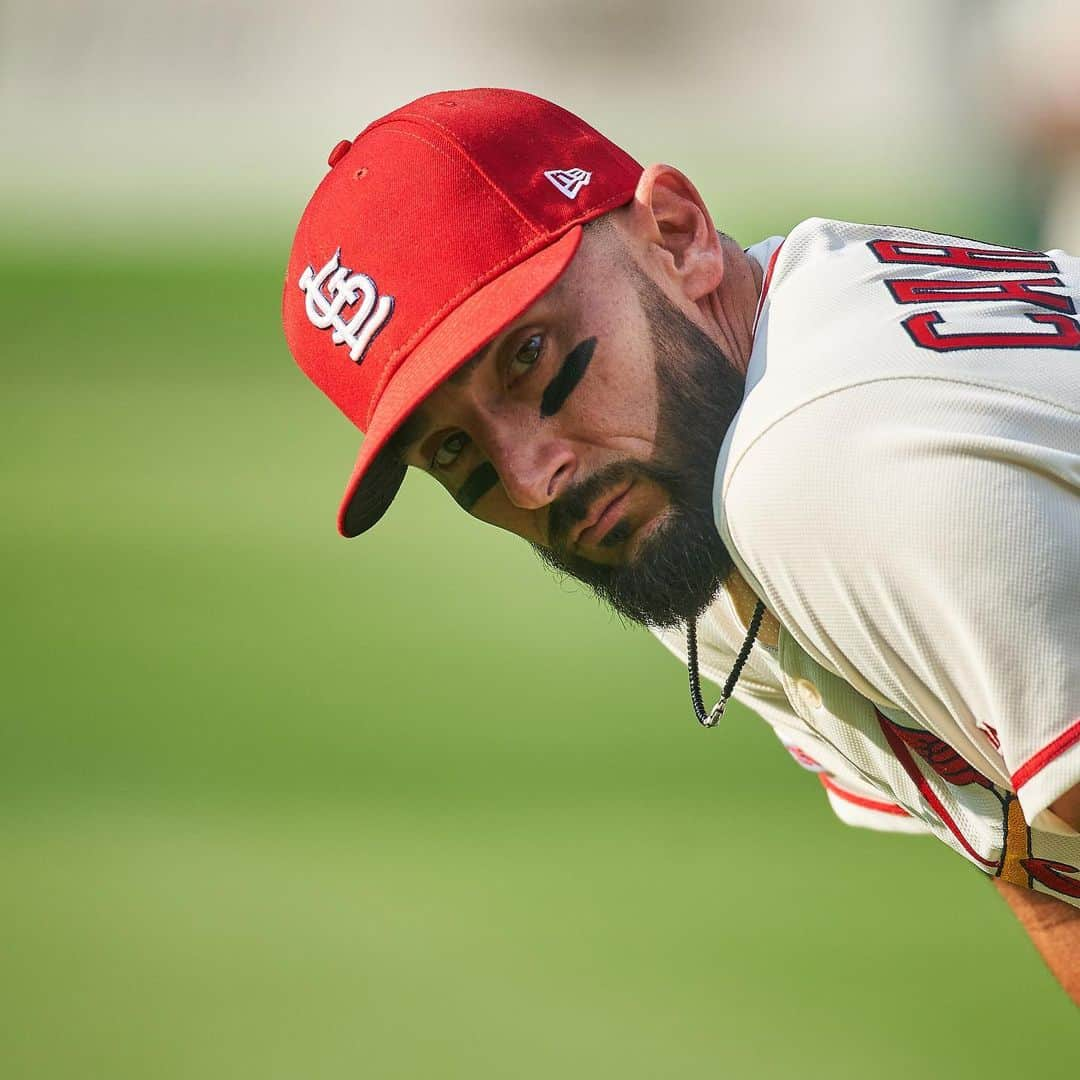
618	400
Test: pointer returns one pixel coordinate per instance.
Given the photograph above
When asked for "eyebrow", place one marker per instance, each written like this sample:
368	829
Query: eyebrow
462	375
404	440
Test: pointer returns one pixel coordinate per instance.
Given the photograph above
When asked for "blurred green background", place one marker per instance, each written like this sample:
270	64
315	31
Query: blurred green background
280	806
277	805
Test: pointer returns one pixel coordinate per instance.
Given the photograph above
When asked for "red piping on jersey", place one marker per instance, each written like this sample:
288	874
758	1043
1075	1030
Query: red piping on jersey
1043	757
766	281
803	758
903	755
861	800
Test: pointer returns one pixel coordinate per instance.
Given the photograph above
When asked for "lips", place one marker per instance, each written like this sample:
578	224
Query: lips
604	515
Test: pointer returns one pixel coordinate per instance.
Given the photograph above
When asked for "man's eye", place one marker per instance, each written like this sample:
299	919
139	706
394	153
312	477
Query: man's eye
449	449
526	356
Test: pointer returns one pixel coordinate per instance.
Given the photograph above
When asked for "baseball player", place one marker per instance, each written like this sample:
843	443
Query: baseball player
839	471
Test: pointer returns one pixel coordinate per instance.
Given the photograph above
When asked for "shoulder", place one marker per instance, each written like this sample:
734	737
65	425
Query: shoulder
898	451
896	528
833	355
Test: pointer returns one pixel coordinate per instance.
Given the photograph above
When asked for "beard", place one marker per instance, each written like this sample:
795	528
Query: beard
680	566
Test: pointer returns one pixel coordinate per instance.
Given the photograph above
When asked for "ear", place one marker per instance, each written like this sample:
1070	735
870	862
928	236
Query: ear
670	216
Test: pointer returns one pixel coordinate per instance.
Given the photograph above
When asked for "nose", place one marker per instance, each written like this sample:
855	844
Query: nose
534	467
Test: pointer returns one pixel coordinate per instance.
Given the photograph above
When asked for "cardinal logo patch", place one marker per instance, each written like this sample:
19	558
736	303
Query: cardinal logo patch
569	181
329	299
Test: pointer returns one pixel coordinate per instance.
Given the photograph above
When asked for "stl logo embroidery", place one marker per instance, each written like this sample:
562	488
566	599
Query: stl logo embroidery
330	290
569	181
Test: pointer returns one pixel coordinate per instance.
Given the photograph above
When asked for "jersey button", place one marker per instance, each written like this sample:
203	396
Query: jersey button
810	694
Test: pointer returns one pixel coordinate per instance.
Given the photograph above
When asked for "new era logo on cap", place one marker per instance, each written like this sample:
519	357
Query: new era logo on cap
569	181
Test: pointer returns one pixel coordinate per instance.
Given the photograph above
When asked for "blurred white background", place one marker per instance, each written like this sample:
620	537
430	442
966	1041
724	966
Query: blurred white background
135	116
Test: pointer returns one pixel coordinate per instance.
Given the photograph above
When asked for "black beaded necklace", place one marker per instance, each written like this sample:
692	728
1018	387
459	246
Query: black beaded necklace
710	719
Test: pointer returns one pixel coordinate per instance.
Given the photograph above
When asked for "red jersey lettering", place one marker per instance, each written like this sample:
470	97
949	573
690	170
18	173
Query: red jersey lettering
973	258
1054	875
924	291
923	331
1061	331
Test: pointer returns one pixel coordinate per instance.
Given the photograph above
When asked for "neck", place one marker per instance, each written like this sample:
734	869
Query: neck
731	307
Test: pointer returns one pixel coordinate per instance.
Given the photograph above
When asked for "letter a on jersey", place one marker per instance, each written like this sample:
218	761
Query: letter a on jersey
329	291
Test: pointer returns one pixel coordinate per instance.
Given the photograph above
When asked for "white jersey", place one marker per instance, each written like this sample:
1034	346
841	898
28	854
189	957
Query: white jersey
902	487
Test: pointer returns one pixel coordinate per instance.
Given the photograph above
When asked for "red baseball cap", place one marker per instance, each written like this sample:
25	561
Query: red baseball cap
436	227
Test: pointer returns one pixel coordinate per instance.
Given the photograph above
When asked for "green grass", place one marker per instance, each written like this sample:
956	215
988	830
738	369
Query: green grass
276	805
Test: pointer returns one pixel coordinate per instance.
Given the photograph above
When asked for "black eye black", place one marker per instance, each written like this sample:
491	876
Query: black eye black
568	376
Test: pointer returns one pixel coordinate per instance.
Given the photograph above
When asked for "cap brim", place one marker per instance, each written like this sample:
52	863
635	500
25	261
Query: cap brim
377	477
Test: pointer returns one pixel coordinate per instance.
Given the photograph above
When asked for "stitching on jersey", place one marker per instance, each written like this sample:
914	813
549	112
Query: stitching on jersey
883	379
